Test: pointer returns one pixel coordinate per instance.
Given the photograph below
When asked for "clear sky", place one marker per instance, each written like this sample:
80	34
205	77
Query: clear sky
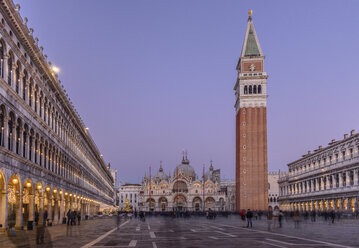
151	78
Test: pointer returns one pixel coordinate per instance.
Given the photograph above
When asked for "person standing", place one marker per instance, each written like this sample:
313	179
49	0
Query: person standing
249	216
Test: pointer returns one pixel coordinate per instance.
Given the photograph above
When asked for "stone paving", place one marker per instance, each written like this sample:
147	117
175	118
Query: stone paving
163	232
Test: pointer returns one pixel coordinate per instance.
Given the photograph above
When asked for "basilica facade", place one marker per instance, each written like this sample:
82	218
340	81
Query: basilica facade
48	160
182	191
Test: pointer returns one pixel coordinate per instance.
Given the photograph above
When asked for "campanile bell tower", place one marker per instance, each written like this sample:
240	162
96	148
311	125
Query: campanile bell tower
251	125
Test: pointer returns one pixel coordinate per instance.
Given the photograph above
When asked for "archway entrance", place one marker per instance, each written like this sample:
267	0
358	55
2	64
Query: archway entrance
39	204
210	203
196	203
14	203
2	200
28	204
163	204
180	203
151	204
47	204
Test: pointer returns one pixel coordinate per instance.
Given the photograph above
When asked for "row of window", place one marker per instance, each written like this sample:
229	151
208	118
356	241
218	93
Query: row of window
18	137
341	179
30	92
252	89
344	155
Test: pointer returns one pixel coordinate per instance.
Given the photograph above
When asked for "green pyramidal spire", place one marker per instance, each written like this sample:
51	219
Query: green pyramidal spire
251	46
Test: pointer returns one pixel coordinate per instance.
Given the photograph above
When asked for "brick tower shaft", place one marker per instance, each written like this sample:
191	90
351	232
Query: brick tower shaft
251	126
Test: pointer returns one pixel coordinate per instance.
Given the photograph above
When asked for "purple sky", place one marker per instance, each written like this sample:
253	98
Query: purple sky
151	78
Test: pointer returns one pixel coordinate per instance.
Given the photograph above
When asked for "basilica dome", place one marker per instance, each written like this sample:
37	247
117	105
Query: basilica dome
160	175
185	169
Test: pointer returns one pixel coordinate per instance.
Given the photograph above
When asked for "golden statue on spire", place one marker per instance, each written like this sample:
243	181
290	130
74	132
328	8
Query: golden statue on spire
250	12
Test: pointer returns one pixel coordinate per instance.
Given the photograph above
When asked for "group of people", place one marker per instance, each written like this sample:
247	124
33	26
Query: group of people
273	218
72	216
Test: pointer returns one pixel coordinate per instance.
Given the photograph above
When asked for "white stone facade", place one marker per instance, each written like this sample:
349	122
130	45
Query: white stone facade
183	191
48	160
130	192
273	189
325	180
229	187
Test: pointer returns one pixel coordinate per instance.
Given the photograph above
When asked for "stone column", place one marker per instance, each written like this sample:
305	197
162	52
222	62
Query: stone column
62	209
6	132
49	208
20	83
340	204
41	209
317	184
56	211
348	204
31	207
340	180
32	149
5	66
42	151
21	143
356	177
3	208
26	155
13	76
26	92
13	137
347	176
19	217
355	203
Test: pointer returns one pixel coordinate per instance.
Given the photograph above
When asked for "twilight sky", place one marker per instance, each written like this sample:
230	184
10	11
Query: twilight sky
151	78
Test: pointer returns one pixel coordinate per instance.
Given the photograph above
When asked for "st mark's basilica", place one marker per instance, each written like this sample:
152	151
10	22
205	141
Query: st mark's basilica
182	191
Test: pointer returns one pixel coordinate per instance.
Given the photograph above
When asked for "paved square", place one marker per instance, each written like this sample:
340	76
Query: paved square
166	232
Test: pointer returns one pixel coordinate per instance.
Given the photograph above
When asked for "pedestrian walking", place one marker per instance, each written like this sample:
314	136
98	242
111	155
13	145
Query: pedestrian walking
243	216
280	217
40	233
45	217
36	218
269	220
314	215
118	220
73	218
69	215
79	217
296	219
332	216
249	216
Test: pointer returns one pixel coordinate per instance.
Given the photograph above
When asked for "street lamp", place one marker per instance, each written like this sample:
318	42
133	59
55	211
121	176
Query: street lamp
55	69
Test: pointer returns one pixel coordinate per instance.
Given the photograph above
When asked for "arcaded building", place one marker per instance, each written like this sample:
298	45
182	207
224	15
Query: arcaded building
251	125
182	191
325	179
48	160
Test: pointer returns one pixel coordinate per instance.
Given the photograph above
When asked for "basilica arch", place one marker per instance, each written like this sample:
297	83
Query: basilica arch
197	204
163	203
180	202
180	186
210	203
